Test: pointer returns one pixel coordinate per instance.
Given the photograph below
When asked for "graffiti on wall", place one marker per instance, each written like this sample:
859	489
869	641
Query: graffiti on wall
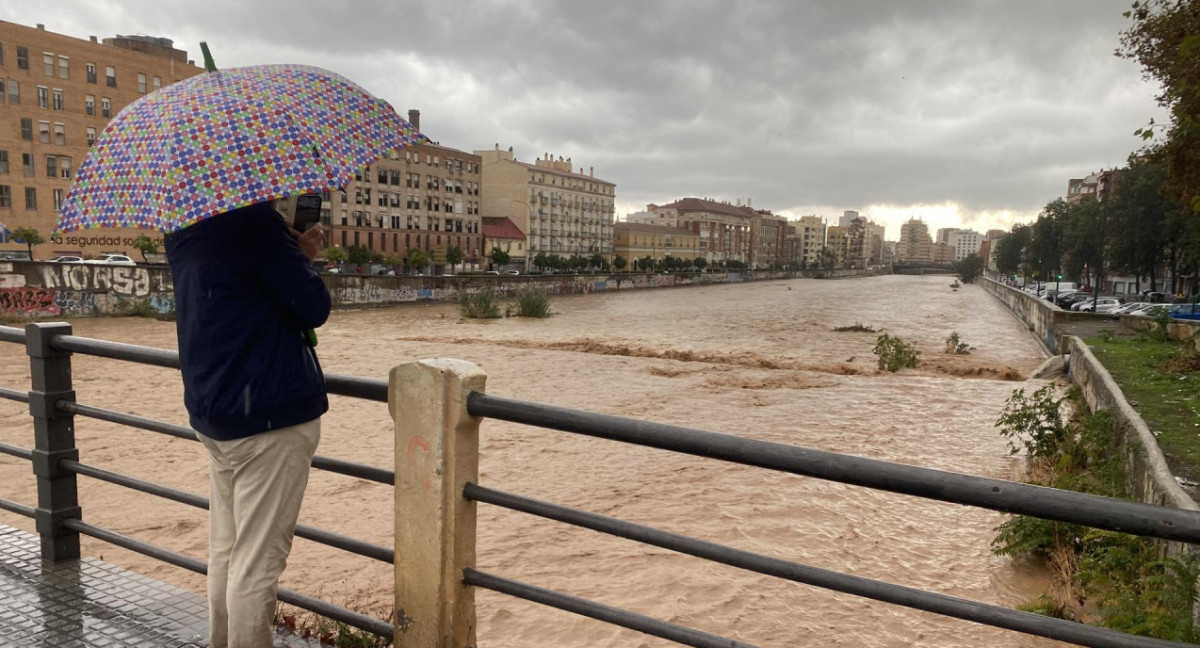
120	280
29	301
12	281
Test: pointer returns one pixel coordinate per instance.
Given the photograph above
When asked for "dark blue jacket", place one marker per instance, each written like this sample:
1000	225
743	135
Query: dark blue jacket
244	294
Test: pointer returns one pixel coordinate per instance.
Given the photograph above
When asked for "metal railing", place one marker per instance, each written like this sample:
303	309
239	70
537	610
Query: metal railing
437	406
56	464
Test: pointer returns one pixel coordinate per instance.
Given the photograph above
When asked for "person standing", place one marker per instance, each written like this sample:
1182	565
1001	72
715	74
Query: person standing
246	298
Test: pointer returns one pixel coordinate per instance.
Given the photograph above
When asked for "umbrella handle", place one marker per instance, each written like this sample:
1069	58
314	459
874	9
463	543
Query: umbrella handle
209	64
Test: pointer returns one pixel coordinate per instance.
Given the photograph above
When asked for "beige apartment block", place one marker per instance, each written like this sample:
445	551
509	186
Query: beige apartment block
810	232
57	93
563	212
836	239
724	228
635	241
427	197
915	244
769	235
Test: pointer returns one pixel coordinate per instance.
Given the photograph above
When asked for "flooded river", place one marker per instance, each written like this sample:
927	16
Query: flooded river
758	360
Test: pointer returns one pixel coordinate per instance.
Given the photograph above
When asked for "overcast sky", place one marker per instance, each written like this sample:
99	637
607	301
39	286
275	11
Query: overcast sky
965	113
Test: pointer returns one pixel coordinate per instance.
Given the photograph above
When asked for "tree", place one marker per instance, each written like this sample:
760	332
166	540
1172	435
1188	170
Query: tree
619	262
418	259
145	245
1045	239
700	263
454	256
29	236
393	261
358	254
827	259
541	261
1165	39
1010	250
969	268
337	255
597	261
646	264
1138	221
499	257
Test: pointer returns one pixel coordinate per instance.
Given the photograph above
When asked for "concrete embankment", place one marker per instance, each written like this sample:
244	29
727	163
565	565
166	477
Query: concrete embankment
40	289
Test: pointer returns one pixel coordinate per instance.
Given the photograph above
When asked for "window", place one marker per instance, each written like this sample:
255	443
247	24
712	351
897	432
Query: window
91	72
30	198
105	107
3	161
14	93
156	82
27	162
48	63
89	104
23	57
5	197
60	134
141	79
43	95
1	53
44	132
64	167
51	166
91	136
58	199
383	176
64	67
56	99
110	76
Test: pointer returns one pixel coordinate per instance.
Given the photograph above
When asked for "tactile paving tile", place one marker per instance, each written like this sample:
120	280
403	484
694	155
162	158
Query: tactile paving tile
91	604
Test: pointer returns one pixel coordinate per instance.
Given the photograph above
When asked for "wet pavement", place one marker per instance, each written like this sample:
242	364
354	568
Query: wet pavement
91	604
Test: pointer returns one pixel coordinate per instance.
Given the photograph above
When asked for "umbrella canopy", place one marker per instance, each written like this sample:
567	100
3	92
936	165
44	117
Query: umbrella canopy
226	139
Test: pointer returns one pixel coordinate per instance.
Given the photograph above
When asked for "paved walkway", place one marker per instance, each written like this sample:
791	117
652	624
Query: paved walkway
91	604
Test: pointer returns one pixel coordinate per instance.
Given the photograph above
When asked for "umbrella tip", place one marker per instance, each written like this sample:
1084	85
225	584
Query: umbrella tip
208	59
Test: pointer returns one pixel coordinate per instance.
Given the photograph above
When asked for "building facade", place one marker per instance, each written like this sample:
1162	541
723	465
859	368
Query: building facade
1099	185
915	244
634	241
724	229
561	212
426	197
502	234
57	93
810	232
965	243
769	235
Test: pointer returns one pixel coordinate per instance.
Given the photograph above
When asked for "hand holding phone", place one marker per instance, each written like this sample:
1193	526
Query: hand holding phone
308	212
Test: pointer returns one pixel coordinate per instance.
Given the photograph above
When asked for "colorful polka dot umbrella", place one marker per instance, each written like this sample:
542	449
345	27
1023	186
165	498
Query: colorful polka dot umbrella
226	139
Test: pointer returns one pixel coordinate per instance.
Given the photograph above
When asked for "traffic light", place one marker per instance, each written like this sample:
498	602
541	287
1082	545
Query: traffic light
1059	277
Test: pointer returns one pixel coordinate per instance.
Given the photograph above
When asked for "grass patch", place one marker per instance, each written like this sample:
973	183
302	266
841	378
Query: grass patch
532	302
481	304
857	327
1161	379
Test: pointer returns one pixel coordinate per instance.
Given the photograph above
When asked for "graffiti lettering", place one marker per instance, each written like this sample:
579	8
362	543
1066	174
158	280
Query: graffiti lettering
28	300
126	281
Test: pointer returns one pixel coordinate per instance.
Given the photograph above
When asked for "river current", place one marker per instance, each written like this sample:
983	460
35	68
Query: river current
758	360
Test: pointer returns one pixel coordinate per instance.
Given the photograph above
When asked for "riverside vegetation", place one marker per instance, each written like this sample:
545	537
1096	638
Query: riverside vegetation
1111	579
485	304
895	354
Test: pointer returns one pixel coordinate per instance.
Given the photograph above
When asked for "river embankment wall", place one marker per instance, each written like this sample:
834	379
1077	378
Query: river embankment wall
42	289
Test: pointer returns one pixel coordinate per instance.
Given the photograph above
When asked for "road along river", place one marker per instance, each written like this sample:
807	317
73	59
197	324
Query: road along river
759	360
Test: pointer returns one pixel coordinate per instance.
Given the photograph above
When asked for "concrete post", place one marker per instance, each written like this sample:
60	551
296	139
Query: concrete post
437	453
53	439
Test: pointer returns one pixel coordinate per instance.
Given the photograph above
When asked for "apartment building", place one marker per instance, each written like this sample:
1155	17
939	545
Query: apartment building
837	241
768	233
965	243
810	232
635	241
915	244
57	93
426	197
724	228
1099	185
563	212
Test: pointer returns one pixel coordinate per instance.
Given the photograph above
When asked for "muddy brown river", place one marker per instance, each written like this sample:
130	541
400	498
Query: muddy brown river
758	360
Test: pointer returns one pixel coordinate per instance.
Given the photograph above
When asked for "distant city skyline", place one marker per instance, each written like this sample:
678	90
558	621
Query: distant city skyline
966	114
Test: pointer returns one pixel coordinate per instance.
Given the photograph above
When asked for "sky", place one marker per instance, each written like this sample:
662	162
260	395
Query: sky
964	113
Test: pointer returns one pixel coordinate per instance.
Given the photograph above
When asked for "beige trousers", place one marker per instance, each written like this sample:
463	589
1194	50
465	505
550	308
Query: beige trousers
256	486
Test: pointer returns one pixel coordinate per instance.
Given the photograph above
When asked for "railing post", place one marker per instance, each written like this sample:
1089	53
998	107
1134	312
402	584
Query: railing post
437	453
53	440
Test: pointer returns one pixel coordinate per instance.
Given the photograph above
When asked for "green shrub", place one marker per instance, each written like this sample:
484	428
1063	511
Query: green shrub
481	304
957	348
895	354
136	308
532	302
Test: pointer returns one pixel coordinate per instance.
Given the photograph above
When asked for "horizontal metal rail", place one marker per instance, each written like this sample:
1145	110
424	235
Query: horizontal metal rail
336	540
350	469
12	334
608	614
12	394
16	451
352	386
995	494
291	597
983	613
14	507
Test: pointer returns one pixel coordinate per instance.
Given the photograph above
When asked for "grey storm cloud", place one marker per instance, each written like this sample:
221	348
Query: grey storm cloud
800	105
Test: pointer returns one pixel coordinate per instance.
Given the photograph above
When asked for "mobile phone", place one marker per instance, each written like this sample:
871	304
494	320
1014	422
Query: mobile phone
308	212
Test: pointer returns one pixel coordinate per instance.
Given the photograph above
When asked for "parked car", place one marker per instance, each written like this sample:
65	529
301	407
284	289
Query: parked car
67	259
111	259
14	256
512	272
1066	300
1129	307
1101	305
